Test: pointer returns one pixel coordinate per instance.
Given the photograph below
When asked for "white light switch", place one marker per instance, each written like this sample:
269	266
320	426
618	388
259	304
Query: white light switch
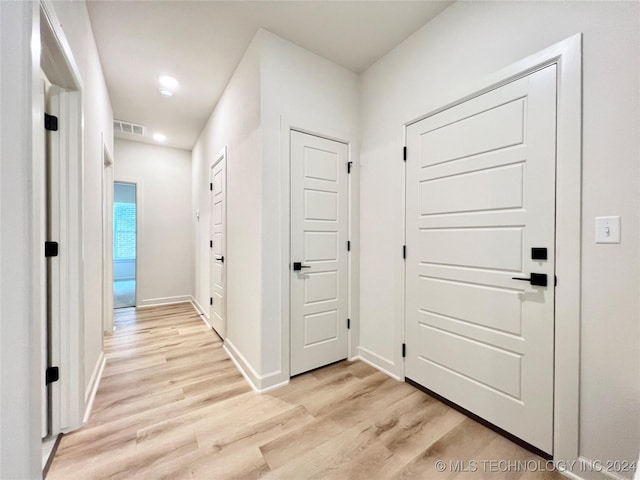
607	229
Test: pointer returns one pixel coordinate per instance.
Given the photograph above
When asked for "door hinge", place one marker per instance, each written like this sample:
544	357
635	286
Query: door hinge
404	153
50	122
52	374
348	323
210	300
404	350
211	186
404	251
349	167
555	280
50	249
210	243
348	245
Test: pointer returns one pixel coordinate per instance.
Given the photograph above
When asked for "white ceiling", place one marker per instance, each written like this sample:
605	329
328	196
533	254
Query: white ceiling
201	42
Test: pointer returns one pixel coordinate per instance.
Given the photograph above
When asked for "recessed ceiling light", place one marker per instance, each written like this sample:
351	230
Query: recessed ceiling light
168	86
158	137
168	82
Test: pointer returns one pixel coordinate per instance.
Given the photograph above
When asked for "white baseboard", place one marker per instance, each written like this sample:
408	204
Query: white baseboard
586	469
203	313
258	383
155	302
381	363
247	371
92	388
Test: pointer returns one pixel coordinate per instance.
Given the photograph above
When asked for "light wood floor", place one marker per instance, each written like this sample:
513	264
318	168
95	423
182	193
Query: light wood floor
172	405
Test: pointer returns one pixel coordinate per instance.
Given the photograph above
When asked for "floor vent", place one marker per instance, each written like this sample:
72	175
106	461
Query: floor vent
120	126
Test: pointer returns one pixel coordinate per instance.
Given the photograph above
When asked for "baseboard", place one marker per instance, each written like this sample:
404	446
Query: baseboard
247	371
586	469
155	302
376	361
275	386
201	311
258	383
92	388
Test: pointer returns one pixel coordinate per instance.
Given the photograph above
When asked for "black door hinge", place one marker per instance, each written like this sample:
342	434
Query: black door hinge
348	245
349	167
210	243
50	249
555	281
52	374
210	300
404	350
348	323
211	186
50	122
404	251
404	153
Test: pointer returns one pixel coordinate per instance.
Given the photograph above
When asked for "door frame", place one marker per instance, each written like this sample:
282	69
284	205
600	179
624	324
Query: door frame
68	394
221	156
353	301
567	55
107	238
139	223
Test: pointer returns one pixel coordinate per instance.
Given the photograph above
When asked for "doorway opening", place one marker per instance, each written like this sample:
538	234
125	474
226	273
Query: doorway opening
124	244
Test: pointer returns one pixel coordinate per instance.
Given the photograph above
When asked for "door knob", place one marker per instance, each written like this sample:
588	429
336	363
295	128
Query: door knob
299	266
220	259
538	279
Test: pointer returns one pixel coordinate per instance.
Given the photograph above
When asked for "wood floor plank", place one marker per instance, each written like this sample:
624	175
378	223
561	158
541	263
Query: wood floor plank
172	405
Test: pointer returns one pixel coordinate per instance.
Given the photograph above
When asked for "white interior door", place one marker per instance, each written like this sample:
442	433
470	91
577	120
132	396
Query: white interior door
217	310
319	229
480	197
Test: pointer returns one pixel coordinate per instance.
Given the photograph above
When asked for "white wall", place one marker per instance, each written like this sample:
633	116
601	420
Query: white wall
275	82
466	42
234	123
302	90
98	124
20	118
164	254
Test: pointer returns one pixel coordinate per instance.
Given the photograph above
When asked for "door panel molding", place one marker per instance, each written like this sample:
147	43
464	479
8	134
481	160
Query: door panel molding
509	382
342	134
319	289
218	247
567	56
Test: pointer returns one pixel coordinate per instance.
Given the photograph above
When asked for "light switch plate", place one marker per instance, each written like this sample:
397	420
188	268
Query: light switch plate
607	229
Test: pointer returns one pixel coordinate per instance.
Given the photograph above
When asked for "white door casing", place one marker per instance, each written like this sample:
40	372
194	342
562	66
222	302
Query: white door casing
319	231
67	407
217	308
107	238
480	196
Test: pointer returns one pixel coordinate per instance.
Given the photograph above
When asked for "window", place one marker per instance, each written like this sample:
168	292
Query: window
124	231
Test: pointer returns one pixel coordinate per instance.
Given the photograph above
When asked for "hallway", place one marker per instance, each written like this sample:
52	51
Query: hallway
171	404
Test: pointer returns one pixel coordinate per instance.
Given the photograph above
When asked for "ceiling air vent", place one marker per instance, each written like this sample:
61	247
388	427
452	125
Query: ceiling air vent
120	126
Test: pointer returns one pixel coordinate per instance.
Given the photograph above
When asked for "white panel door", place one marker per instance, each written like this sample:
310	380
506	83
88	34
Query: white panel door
217	309
480	197
319	228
